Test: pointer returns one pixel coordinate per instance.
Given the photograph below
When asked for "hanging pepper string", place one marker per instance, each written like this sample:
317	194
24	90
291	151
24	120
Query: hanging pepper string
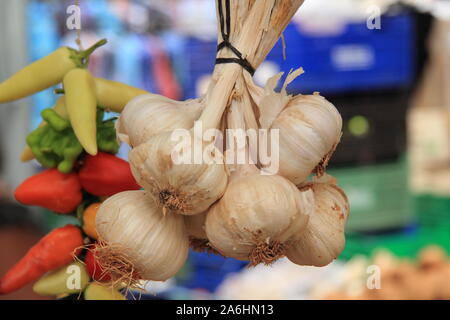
78	38
225	26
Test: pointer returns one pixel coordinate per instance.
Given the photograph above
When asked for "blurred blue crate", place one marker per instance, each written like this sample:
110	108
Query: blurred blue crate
354	59
200	55
209	270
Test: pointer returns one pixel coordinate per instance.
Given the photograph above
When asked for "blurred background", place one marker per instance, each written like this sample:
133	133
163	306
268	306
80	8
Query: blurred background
382	63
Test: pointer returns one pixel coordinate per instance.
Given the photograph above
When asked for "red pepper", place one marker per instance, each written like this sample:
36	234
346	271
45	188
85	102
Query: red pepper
104	175
52	190
94	269
53	251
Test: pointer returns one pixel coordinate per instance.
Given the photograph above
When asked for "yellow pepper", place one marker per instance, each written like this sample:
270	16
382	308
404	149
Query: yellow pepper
96	291
44	73
60	108
59	282
113	95
81	104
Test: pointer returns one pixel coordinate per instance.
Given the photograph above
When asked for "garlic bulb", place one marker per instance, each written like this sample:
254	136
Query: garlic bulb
256	218
184	188
258	214
309	127
323	239
136	236
152	114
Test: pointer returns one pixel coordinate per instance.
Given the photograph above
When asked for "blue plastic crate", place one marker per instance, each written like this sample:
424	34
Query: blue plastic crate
355	59
209	270
200	55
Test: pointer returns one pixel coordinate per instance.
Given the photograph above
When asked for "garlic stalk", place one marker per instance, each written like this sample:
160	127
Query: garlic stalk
152	114
258	214
309	127
136	237
323	239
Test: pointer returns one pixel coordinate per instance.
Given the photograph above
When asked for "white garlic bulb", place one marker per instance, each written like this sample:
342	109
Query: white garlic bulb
132	226
181	188
323	239
257	216
151	114
309	127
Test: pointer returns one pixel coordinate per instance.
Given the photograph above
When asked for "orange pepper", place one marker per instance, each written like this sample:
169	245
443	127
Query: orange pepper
89	220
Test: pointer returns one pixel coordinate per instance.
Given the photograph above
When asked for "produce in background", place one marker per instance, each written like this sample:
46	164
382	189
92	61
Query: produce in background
136	237
53	251
404	279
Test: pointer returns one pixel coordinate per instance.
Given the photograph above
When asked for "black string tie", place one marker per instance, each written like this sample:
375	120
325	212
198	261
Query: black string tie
225	26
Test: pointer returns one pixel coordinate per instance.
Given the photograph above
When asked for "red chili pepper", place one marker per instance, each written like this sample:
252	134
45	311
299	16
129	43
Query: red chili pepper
52	190
94	269
104	175
53	251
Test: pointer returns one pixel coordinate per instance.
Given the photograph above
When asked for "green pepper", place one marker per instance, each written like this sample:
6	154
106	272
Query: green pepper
60	109
55	145
55	120
106	137
45	72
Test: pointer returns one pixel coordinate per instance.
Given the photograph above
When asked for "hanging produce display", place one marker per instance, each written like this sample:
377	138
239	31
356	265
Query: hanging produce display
76	145
239	211
138	219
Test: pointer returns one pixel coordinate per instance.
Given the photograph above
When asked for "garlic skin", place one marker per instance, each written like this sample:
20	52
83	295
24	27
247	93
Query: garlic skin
156	244
323	239
195	225
310	128
151	114
256	217
186	189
